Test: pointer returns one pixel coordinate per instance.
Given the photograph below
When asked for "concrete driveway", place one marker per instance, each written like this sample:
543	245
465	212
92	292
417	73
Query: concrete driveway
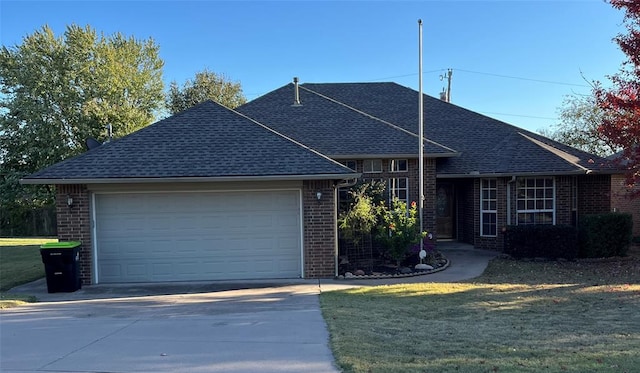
187	327
276	329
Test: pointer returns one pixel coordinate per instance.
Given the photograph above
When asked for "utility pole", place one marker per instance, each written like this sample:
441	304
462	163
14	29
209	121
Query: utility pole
445	95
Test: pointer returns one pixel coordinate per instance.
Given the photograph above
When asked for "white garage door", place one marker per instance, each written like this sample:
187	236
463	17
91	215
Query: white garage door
148	237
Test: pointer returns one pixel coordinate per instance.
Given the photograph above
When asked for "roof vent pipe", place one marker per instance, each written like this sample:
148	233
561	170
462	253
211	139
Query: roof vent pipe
296	92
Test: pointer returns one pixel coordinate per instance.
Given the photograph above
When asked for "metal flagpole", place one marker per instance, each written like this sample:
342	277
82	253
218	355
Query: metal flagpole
420	139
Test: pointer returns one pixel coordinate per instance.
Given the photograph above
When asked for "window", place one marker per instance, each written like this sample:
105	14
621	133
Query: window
372	165
398	165
351	164
488	207
399	188
536	201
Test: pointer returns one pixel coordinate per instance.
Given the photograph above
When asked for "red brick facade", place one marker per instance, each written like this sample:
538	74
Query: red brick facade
319	229
74	223
621	202
593	196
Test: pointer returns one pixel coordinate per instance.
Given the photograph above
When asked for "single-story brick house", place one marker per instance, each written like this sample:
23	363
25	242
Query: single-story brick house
213	193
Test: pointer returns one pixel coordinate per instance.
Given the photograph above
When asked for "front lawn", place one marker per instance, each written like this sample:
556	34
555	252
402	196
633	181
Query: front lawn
20	263
581	316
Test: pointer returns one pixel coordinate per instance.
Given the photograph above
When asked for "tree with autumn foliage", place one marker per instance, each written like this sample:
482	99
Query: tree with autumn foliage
621	102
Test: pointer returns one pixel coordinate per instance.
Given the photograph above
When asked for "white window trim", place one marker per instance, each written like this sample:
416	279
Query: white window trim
392	189
533	211
394	162
370	162
483	211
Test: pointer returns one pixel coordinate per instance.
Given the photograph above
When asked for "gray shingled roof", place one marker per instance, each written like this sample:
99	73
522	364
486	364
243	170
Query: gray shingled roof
487	146
333	128
206	141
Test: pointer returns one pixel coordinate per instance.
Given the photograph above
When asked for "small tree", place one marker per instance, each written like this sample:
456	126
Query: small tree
401	229
362	215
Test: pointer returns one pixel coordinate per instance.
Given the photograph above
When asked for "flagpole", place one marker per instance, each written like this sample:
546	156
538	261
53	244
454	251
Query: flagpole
420	139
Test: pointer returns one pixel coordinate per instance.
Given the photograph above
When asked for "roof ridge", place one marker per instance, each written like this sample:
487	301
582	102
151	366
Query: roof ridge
394	126
287	138
570	158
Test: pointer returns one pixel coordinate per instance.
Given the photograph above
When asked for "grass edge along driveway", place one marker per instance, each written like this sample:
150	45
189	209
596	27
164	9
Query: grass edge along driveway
579	316
20	263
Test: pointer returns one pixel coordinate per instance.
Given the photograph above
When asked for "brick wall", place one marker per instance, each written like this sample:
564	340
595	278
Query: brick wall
74	223
319	229
621	202
594	194
563	199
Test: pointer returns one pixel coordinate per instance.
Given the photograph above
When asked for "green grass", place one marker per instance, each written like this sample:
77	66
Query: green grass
581	316
20	263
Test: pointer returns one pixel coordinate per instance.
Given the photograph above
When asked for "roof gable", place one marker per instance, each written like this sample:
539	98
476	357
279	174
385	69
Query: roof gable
206	141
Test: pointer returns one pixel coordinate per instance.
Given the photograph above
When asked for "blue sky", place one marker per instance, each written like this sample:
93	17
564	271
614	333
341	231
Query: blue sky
511	60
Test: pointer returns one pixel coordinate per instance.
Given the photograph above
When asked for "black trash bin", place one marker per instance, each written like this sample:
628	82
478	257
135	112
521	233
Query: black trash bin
61	265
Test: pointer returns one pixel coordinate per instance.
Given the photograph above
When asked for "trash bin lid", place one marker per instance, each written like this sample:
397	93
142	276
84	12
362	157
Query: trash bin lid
60	245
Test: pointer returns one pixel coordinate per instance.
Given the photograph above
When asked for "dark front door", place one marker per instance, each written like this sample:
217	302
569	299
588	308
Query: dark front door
445	217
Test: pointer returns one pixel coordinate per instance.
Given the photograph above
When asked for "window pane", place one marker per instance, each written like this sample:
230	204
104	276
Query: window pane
493	206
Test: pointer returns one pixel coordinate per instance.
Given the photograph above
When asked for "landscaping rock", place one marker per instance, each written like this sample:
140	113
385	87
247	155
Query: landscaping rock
348	275
405	270
359	272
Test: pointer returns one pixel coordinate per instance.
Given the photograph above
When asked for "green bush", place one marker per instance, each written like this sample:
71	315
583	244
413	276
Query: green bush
545	241
605	235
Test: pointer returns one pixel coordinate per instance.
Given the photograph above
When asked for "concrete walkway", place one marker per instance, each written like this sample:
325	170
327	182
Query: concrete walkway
253	326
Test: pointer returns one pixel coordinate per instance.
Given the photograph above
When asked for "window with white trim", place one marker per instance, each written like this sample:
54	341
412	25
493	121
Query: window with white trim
398	165
488	207
399	188
536	201
372	165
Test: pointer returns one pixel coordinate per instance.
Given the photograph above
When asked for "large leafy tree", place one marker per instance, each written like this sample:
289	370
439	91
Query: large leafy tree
579	119
621	102
206	85
58	91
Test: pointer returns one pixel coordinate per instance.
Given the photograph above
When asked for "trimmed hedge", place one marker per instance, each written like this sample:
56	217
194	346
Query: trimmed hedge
605	235
545	241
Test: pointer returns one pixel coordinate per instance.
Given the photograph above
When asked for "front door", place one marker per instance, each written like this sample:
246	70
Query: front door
445	216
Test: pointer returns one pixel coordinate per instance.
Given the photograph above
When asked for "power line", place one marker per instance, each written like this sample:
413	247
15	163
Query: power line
517	115
522	78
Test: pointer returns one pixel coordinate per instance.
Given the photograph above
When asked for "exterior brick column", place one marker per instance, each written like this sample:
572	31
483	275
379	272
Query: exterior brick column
319	221
74	223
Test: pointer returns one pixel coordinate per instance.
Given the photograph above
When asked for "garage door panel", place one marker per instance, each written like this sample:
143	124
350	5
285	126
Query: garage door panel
198	236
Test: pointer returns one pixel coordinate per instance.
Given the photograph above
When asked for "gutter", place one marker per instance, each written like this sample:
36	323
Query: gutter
188	179
392	156
510	174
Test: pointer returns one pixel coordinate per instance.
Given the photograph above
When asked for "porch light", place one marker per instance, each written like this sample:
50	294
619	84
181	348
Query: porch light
69	200
319	195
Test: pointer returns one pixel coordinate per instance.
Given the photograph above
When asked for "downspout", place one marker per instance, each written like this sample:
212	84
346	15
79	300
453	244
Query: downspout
513	179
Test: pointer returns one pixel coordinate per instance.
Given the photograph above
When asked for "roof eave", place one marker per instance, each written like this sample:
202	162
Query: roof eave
390	156
214	179
472	175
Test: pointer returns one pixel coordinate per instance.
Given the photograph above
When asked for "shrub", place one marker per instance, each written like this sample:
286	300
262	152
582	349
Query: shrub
546	241
605	235
400	231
